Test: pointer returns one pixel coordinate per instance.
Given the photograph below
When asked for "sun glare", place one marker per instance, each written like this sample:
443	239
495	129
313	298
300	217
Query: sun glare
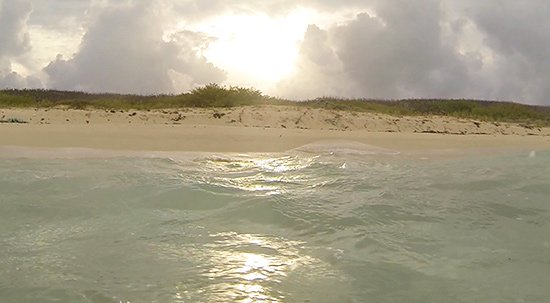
256	49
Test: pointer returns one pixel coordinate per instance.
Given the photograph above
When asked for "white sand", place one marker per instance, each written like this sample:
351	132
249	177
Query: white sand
255	129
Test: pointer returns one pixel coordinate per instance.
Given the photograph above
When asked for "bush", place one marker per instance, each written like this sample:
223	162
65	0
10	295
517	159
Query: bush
214	95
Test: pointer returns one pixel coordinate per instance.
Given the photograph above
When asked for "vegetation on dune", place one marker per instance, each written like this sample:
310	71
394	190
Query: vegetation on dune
214	95
471	109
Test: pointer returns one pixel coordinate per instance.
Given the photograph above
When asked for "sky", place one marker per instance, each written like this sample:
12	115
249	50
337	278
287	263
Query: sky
491	49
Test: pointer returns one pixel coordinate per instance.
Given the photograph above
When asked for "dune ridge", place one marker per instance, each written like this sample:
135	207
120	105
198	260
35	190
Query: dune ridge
262	128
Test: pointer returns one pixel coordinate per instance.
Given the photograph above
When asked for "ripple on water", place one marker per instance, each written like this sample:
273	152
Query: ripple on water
341	224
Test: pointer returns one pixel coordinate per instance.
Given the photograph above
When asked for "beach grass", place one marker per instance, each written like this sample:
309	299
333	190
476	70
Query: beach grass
212	95
496	111
216	96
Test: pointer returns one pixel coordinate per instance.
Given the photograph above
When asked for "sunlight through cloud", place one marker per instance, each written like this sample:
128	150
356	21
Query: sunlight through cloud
256	48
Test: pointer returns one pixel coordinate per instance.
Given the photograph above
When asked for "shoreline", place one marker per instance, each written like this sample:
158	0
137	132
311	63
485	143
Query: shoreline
243	139
256	129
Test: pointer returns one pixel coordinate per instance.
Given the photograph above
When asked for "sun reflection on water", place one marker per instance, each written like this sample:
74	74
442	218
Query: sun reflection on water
243	268
250	266
255	275
260	175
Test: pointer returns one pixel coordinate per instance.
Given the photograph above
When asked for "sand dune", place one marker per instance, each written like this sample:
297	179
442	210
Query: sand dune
254	128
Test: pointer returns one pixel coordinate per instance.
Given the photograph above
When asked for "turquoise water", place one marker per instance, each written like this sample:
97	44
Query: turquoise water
322	225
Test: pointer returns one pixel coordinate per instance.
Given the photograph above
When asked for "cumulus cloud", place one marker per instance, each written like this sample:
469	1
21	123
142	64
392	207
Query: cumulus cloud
518	34
15	42
10	79
210	8
408	49
124	51
319	70
399	52
57	14
197	10
492	49
13	17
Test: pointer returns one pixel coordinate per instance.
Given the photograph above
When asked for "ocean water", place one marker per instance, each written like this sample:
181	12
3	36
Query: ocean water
319	224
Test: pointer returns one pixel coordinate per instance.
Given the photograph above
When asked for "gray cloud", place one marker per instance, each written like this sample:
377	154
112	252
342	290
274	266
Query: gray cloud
13	17
123	51
493	49
319	70
413	49
518	34
399	52
15	42
60	15
197	10
55	14
207	8
11	79
8	78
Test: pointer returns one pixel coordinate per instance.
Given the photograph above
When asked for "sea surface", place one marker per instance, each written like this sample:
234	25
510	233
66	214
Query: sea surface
324	223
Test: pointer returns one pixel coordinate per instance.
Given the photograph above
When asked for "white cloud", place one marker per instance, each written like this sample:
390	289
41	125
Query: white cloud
123	51
319	70
13	34
15	43
432	48
492	49
397	53
518	34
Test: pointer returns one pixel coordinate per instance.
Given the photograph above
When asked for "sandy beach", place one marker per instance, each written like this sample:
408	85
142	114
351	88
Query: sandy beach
255	129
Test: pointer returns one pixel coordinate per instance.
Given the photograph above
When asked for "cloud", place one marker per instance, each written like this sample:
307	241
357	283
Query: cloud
124	51
399	52
431	48
13	18
273	7
518	35
57	14
15	43
492	49
319	70
198	10
10	80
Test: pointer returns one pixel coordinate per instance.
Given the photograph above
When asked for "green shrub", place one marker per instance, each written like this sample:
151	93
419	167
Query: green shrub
214	95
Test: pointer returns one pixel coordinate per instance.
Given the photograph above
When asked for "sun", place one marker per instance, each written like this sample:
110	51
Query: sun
255	49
